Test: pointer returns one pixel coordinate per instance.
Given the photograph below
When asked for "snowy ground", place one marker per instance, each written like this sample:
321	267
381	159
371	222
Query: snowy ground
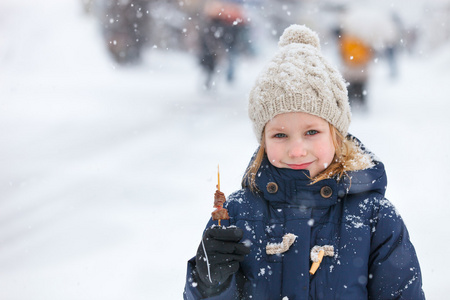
107	174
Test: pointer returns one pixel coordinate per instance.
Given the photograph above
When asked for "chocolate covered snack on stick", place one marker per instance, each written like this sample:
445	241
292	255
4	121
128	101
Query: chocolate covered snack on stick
220	213
219	199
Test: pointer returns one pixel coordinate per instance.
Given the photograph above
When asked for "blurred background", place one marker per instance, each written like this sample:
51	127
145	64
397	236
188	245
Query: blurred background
114	115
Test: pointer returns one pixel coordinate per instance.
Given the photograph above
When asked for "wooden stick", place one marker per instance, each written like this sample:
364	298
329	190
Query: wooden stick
218	184
218	178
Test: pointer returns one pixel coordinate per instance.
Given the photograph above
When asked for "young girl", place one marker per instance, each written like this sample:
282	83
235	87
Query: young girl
311	220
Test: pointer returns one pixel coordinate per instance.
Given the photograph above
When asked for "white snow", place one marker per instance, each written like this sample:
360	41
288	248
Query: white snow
108	173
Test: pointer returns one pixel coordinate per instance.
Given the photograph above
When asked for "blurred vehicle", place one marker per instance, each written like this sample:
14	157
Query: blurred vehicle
356	56
365	32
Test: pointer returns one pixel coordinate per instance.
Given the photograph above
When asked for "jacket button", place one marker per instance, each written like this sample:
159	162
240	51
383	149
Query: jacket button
272	187
326	192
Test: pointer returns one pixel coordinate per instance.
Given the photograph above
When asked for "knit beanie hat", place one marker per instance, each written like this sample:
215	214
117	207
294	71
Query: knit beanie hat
299	79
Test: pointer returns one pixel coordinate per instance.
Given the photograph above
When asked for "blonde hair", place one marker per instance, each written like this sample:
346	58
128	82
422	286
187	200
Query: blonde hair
348	157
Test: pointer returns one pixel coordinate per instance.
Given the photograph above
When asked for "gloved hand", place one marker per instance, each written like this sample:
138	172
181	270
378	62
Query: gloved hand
219	254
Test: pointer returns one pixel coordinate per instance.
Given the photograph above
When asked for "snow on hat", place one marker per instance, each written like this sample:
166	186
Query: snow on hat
299	79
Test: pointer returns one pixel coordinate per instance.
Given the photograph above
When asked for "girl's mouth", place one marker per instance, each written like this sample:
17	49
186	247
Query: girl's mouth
299	167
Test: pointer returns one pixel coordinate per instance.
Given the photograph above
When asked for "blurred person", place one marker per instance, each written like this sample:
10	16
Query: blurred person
125	25
220	37
311	220
392	45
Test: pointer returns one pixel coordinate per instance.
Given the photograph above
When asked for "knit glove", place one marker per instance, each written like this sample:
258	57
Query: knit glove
219	254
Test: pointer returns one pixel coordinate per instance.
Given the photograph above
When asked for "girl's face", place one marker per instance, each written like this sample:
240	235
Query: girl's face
299	141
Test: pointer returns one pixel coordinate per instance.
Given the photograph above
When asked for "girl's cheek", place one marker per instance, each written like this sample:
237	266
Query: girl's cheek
272	158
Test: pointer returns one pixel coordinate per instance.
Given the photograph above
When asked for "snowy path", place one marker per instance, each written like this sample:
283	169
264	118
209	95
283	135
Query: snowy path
107	173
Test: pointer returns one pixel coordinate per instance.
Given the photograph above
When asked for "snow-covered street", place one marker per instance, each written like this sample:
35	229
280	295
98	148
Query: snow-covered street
108	173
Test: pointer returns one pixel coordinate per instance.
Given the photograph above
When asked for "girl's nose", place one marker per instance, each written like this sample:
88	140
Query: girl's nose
297	149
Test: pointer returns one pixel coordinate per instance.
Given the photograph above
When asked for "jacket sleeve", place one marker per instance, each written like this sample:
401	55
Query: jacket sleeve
394	271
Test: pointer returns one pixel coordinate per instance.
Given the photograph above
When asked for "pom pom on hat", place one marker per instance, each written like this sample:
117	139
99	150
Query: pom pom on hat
299	79
299	34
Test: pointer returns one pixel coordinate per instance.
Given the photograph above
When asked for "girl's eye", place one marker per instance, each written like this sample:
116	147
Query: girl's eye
280	135
312	132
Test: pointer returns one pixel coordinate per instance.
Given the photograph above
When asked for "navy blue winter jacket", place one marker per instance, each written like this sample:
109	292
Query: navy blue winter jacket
373	256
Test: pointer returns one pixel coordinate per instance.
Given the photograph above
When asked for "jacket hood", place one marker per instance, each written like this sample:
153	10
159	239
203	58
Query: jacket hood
371	179
293	187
